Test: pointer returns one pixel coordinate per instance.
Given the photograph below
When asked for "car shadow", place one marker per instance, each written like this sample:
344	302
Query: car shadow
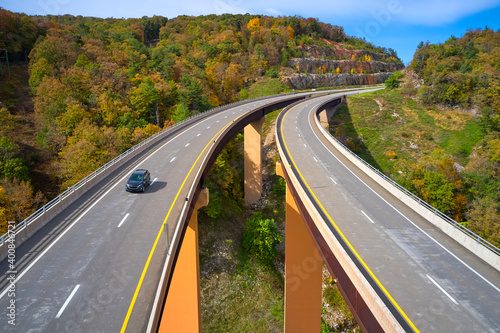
155	187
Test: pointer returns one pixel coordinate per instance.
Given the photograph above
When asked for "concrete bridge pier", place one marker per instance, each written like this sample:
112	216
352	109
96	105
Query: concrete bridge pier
303	272
253	160
182	311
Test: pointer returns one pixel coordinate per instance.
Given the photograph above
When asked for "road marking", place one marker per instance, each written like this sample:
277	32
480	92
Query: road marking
442	289
406	218
305	145
217	121
208	127
173	159
153	181
123	220
374	277
333	180
26	270
199	134
187	144
225	117
368	217
67	301
315	159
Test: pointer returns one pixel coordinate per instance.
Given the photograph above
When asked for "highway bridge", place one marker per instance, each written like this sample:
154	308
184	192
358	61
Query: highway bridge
105	260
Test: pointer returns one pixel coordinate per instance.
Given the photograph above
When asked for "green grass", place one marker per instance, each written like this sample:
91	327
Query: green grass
266	86
460	143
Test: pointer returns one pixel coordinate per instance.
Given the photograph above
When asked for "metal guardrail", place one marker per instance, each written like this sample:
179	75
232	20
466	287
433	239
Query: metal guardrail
30	219
445	217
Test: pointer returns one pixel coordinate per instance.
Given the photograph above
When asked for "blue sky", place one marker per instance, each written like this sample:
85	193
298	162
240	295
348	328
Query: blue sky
400	24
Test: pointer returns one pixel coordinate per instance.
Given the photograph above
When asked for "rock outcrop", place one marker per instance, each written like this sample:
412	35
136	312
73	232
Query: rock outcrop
312	65
307	81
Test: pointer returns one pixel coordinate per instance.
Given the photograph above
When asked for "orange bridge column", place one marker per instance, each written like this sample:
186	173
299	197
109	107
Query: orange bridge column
182	311
253	161
303	272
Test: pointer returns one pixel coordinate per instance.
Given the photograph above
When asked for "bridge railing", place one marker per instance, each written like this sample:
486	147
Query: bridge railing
430	208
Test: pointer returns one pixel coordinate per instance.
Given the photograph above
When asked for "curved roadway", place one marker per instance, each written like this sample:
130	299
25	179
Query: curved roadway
438	285
97	265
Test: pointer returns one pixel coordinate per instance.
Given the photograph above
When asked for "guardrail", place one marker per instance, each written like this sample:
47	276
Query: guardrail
92	176
421	202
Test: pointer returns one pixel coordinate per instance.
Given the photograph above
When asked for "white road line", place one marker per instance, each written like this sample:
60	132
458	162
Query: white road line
225	117
208	127
333	180
315	159
199	134
173	159
187	144
404	216
67	301
217	121
368	217
153	181
441	288
91	206
305	145
123	220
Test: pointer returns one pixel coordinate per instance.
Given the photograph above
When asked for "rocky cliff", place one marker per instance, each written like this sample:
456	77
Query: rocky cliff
307	81
311	65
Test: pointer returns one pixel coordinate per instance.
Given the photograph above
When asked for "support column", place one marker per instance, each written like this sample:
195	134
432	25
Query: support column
253	161
182	311
303	272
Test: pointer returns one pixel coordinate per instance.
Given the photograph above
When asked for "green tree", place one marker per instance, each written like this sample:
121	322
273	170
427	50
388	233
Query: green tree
181	112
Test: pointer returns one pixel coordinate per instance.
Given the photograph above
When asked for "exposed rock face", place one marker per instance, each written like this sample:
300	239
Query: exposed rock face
307	81
312	65
338	51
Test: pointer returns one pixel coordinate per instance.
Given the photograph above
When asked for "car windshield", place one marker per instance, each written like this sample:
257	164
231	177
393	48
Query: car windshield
136	177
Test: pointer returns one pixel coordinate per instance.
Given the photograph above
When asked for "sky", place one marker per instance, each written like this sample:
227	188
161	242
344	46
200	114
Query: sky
397	24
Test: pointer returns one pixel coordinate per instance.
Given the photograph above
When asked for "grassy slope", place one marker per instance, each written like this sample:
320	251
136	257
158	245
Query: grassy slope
405	127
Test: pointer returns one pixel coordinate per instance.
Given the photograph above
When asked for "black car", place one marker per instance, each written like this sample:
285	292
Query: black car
138	181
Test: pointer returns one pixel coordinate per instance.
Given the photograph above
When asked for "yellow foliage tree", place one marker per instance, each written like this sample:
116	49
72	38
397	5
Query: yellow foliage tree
337	70
291	33
253	24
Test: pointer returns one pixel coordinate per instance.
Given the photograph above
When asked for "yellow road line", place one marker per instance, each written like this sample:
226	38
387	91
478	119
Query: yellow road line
131	307
342	235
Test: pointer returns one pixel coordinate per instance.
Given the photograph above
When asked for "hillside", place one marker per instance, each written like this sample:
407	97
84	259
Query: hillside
99	86
438	134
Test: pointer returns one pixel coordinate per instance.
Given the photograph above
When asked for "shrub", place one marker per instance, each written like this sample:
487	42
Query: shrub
261	237
392	82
